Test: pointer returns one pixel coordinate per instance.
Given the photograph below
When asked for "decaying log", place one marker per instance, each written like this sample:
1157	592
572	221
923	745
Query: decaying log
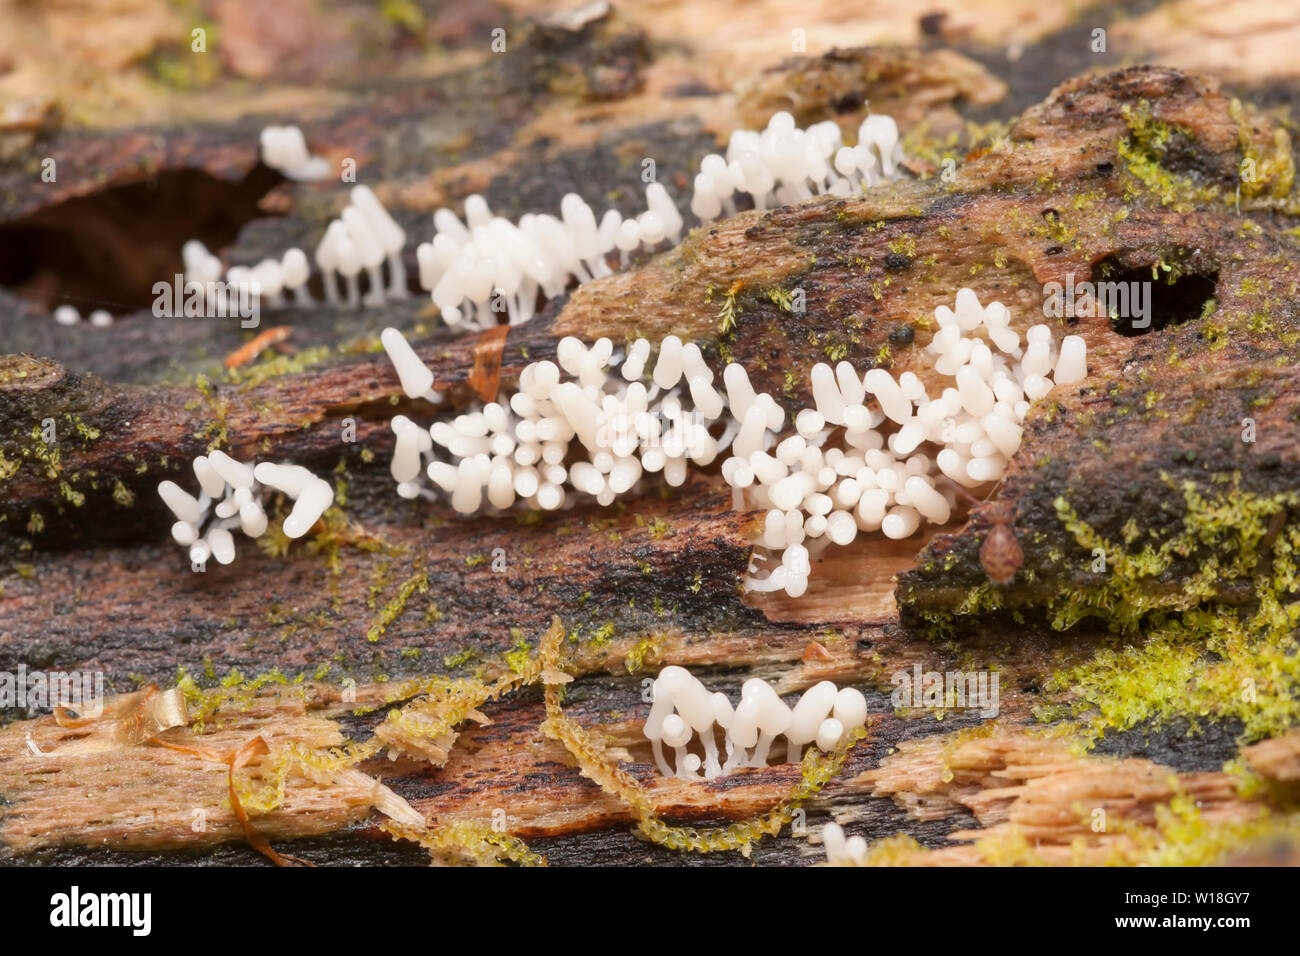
1128	175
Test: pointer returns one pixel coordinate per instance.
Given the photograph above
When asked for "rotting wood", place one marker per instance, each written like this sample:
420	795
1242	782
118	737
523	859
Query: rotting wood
654	582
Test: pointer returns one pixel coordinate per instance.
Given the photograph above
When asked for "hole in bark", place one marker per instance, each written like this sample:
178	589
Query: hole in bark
1139	304
106	250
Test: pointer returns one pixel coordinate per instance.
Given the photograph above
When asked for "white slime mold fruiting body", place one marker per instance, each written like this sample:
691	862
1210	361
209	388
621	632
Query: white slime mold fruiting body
784	164
841	851
683	710
629	415
231	497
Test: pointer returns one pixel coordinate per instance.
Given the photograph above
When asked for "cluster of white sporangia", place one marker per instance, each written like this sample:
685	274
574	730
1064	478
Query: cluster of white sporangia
365	236
529	448
898	459
784	164
485	268
476	274
69	315
848	468
683	709
491	266
842	851
284	148
237	490
269	278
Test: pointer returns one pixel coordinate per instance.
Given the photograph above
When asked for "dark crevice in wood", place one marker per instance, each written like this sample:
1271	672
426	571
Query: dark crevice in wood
107	248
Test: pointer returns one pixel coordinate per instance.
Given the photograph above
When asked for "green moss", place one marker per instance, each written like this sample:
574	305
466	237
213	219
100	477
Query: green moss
47	454
74	497
1274	170
904	245
1179	836
940	626
417	582
596	638
459	659
1201	656
1011	848
727	312
1265	177
88	432
334	531
644	651
274	543
7	468
781	299
233	692
1183	837
518	657
981	599
122	494
403	13
276	365
1229	527
1143	152
658	527
216	433
1216	336
178	67
897	850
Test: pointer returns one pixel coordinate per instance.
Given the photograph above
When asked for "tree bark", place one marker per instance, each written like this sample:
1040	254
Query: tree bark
1131	174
